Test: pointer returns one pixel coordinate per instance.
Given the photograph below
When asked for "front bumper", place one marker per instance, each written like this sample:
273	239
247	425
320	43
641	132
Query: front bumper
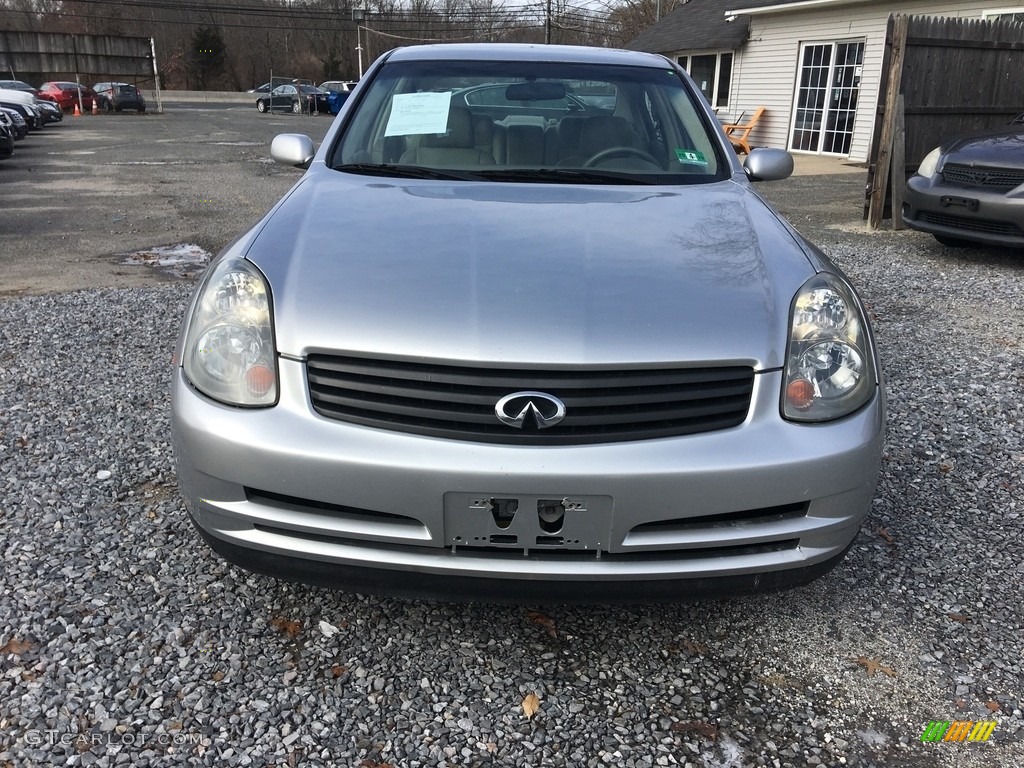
285	491
978	215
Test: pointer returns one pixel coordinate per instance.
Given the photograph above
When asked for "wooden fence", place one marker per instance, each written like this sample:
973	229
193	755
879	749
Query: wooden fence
941	78
39	56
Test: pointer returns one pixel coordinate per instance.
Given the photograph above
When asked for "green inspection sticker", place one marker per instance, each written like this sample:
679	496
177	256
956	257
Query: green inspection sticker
691	157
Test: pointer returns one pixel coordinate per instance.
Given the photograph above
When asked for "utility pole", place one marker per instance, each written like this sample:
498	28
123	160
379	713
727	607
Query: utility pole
547	25
358	16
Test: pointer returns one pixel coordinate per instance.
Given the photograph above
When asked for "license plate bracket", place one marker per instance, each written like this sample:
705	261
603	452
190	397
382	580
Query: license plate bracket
528	522
970	203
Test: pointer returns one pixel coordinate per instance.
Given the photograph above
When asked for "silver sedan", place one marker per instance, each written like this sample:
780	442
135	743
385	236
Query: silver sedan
545	345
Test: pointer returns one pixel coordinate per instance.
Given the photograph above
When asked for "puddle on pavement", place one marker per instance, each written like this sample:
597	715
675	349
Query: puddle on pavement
183	260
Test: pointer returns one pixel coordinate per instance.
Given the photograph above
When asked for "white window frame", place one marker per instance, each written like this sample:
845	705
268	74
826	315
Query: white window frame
997	13
685	59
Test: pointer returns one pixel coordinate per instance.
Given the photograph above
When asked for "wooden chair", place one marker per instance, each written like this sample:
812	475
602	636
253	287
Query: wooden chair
738	132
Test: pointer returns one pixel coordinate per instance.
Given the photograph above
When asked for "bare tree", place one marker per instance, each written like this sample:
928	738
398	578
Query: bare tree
626	19
317	39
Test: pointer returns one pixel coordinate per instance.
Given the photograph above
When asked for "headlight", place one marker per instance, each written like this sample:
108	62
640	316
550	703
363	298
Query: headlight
229	349
930	163
829	366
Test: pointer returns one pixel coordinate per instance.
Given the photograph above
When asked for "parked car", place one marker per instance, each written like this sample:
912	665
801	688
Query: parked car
19	85
294	98
50	112
22	103
337	93
15	122
32	108
6	141
970	191
65	95
528	359
115	97
341	86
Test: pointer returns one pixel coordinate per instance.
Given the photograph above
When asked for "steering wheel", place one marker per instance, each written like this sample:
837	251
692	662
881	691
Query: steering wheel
621	151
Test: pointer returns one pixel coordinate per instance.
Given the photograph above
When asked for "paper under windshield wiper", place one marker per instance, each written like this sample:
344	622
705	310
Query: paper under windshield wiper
407	171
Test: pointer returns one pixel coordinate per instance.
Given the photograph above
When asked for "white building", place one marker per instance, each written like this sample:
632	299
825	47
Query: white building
815	65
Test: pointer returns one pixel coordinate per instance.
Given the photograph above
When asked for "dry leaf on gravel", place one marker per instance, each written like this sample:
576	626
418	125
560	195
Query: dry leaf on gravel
290	628
993	706
959	618
694	648
707	730
545	621
873	665
15	646
531	705
884	533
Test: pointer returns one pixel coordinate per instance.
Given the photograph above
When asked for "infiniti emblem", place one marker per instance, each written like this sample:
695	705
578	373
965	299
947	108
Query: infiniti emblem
545	409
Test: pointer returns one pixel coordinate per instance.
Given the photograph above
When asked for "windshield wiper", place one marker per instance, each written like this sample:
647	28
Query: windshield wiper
406	171
563	176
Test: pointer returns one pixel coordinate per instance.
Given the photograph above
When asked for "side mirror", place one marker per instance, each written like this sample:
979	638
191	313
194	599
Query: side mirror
294	149
764	164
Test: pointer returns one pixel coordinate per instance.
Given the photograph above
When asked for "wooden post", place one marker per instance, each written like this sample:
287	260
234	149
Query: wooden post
892	92
899	165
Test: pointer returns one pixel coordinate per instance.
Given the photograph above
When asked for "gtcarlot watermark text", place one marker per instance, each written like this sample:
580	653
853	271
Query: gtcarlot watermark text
52	737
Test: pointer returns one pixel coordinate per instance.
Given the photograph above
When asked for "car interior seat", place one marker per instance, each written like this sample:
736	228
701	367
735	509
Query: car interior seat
454	148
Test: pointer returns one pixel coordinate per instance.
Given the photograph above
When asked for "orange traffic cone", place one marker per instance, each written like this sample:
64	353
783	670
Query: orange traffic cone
78	112
95	107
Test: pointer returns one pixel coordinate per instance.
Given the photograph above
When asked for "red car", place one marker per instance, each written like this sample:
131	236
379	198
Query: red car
65	95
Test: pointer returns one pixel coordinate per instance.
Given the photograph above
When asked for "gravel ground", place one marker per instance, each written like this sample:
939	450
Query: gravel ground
124	641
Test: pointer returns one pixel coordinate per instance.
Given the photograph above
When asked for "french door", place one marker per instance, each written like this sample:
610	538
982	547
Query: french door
826	97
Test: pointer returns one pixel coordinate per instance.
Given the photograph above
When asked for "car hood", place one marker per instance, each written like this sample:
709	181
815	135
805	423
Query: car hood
18	97
1003	149
529	273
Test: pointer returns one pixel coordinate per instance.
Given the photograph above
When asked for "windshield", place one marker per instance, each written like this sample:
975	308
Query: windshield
529	121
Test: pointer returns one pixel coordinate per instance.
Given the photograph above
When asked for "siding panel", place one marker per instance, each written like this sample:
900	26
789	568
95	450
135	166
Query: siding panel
765	68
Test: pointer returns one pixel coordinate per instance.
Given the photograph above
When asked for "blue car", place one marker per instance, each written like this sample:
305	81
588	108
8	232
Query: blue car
337	93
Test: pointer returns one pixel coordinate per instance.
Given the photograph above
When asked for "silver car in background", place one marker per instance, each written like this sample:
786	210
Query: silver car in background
542	344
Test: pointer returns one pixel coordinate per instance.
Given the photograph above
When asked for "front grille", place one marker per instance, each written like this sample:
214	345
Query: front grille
972	225
997	179
458	402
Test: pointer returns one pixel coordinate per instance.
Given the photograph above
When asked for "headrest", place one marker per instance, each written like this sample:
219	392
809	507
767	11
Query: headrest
483	130
600	133
459	134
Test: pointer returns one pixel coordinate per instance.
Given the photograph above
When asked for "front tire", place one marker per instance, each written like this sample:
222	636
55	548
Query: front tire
261	107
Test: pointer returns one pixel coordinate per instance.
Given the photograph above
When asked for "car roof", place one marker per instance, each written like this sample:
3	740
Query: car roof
576	54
